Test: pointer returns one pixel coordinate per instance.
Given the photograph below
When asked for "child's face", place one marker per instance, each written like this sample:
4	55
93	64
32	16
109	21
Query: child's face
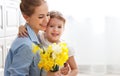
54	29
39	19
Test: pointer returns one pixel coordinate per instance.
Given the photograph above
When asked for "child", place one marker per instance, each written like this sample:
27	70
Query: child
52	34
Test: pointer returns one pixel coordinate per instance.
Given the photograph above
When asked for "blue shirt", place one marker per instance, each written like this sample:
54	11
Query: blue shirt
20	60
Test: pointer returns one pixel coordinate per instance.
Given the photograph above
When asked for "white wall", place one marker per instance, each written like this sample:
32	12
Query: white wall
93	28
9	21
113	39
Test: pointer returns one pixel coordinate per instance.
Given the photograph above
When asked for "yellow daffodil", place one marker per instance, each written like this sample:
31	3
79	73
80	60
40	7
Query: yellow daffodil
35	48
53	57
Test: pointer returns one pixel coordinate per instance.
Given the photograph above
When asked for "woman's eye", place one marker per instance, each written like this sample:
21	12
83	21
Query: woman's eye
48	14
40	17
51	25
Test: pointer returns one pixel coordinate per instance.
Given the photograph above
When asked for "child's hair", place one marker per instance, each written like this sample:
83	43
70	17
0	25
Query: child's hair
28	6
58	15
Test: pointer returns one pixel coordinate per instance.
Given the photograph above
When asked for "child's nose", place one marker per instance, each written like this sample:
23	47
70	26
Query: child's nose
55	29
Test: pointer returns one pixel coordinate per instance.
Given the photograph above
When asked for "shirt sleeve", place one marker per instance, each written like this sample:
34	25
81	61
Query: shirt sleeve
21	61
71	51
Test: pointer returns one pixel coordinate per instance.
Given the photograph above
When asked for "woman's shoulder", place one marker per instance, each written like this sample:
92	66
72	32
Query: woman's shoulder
21	42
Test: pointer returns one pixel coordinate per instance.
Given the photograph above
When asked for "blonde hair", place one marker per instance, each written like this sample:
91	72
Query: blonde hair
58	15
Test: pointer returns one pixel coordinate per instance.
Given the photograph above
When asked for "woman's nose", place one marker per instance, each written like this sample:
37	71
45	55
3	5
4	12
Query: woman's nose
46	19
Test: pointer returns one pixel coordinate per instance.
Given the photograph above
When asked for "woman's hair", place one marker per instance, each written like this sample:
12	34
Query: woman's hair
27	7
57	14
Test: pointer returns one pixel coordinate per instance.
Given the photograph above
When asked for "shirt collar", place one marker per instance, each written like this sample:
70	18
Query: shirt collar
45	41
32	34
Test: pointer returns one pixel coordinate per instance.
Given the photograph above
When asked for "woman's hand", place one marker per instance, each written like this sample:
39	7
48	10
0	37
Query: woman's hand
22	32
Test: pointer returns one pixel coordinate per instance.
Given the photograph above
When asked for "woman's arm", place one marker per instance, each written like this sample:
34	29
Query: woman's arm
21	61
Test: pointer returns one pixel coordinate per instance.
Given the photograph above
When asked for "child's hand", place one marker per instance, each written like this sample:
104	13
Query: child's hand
22	32
54	73
65	69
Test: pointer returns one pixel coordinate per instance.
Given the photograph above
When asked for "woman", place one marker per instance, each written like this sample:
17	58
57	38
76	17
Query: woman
21	61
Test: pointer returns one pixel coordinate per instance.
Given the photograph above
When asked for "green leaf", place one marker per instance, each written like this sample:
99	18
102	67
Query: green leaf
55	68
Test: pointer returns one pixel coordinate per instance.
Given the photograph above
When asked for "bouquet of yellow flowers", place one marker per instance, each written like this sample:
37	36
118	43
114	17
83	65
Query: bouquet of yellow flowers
53	57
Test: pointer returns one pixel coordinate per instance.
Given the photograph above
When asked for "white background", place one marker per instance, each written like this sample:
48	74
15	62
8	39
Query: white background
92	28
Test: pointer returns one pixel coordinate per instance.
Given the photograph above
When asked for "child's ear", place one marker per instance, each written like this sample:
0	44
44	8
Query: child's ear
26	17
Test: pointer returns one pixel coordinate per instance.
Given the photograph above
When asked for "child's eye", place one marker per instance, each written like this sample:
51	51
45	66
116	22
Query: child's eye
59	26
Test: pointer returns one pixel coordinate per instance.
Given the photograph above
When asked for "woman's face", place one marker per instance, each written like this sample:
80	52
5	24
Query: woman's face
54	30
39	19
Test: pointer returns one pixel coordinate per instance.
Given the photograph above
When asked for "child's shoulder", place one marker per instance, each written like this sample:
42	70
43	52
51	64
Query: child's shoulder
68	44
71	50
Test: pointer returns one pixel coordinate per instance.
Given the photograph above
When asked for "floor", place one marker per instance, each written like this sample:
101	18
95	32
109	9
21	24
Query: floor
96	75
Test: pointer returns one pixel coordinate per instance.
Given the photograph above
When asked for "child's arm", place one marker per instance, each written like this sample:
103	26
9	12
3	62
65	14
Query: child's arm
73	66
22	32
